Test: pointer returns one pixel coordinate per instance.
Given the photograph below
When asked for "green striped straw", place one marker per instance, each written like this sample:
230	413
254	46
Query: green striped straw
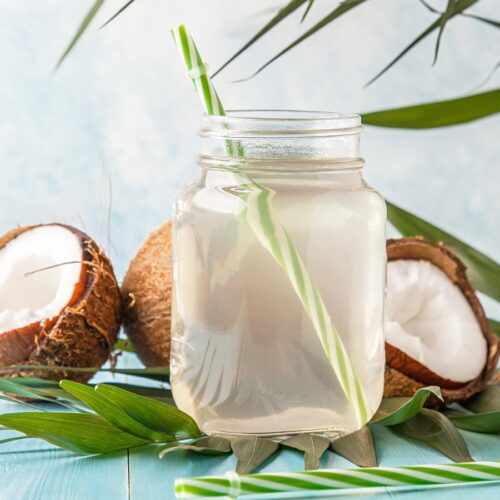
233	485
259	215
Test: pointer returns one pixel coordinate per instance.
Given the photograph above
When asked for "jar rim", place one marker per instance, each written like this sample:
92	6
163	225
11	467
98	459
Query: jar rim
250	122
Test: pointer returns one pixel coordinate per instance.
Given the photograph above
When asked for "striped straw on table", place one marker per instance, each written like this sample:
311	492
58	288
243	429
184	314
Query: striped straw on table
233	485
259	215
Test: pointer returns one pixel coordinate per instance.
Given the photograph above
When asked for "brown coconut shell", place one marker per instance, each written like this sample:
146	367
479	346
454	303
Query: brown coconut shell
403	374
84	332
147	297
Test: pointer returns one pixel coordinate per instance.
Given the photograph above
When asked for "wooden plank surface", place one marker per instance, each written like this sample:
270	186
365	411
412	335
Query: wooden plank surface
31	469
34	470
152	478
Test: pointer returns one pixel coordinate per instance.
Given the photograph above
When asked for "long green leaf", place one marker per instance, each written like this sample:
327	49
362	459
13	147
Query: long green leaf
430	7
312	446
50	388
283	13
459	7
113	413
437	431
437	114
116	14
160	373
76	432
393	411
308	8
449	11
11	399
488	400
44	388
357	447
81	29
252	452
492	22
483	272
36	382
9	386
336	13
407	49
488	423
153	414
160	394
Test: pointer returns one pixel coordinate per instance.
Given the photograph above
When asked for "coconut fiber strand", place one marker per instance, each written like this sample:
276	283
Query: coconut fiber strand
233	485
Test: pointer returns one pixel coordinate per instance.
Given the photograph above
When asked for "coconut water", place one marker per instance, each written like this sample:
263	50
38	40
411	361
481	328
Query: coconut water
246	358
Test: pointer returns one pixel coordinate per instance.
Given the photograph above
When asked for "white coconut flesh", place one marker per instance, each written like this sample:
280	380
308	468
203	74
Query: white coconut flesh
429	319
29	292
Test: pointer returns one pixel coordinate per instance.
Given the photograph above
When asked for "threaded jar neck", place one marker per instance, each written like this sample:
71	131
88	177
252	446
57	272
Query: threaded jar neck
286	139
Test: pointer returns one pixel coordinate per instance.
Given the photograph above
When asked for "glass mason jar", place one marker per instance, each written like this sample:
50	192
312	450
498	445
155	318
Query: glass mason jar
246	355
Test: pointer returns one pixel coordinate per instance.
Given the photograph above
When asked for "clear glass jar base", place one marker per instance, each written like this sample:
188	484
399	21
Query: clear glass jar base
329	433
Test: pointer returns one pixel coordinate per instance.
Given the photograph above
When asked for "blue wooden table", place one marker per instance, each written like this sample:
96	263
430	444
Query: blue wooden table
32	469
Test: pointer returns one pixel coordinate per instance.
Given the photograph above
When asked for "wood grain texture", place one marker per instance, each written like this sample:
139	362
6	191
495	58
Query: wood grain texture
34	470
31	469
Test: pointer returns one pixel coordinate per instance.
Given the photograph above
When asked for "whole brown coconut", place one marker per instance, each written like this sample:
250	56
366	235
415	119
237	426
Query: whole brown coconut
404	375
80	334
147	296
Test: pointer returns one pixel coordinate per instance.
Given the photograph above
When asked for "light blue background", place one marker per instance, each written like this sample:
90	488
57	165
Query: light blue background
120	108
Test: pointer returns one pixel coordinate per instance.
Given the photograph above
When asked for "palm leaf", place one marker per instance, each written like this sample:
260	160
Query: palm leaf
357	447
429	7
312	446
450	7
288	9
336	13
437	114
12	399
458	7
11	387
488	400
492	22
483	272
251	452
394	411
116	14
488	423
437	431
113	413
81	29
65	430
308	8
157	416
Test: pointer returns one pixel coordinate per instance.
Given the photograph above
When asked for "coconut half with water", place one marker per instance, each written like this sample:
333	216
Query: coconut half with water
436	330
59	301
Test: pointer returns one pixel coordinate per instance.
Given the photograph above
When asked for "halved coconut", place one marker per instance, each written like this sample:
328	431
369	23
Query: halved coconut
436	330
147	295
59	301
